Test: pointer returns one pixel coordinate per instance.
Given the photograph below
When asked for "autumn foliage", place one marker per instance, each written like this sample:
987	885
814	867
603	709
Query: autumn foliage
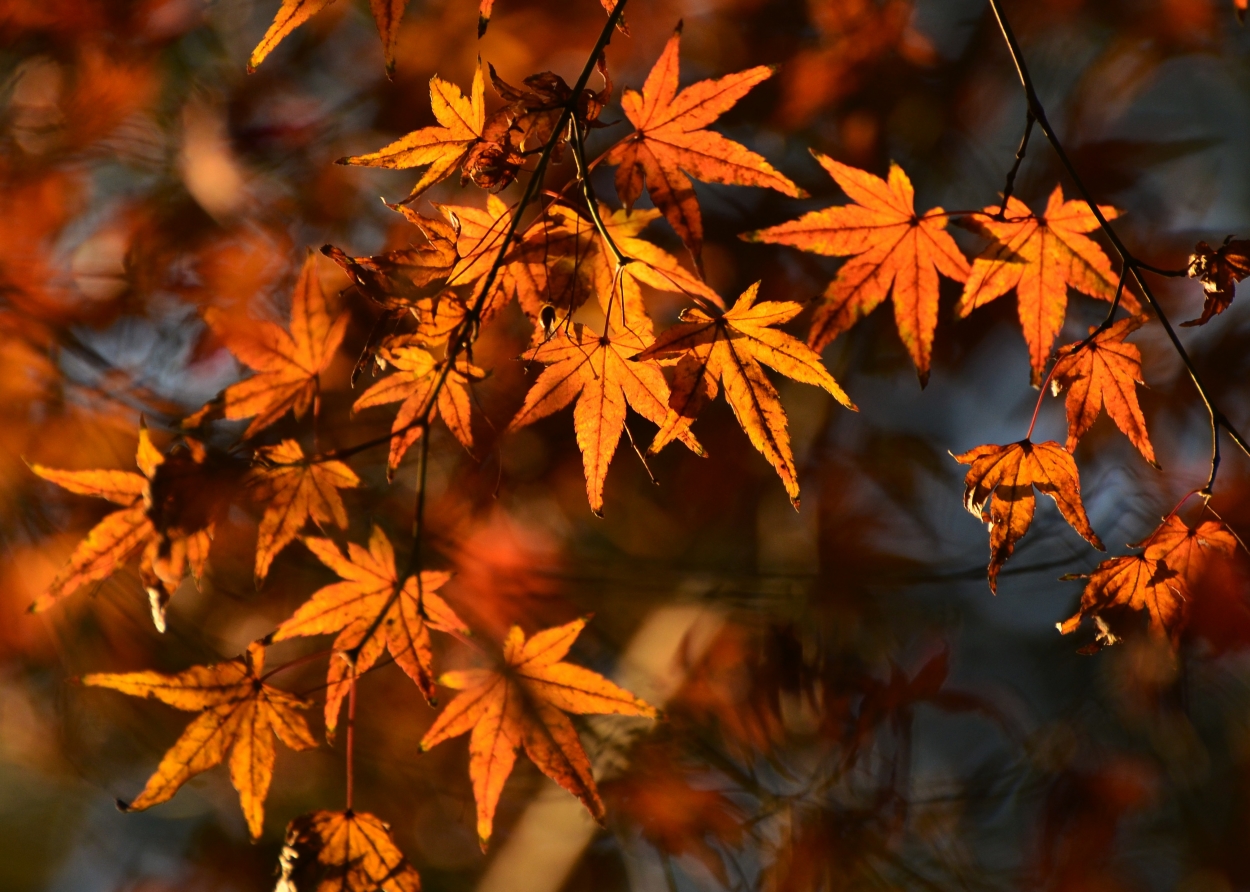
333	435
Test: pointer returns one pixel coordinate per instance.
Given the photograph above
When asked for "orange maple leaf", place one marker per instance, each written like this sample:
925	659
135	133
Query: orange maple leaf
352	851
523	704
439	148
1187	549
1104	374
1159	581
416	374
999	491
729	348
293	13
293	491
893	249
288	365
239	716
166	553
1131	582
672	141
596	372
1219	270
1041	258
372	609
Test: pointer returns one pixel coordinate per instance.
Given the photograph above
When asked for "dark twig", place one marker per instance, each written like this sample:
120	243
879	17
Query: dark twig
1010	187
1218	418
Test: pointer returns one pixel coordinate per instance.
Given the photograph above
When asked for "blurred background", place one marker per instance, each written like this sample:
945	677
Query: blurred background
847	705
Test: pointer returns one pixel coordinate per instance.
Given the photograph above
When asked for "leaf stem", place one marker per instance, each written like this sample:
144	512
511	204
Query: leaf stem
464	333
1041	396
1131	263
351	736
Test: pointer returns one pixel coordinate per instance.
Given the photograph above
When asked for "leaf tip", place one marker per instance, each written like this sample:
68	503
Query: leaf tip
482	22
122	805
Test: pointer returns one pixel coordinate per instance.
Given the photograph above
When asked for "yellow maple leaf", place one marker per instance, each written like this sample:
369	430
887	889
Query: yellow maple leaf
413	381
287	364
729	348
293	13
294	491
522	704
372	609
439	148
893	250
239	716
166	551
672	141
596	372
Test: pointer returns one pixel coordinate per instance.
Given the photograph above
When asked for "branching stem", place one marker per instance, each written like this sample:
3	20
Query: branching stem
1130	263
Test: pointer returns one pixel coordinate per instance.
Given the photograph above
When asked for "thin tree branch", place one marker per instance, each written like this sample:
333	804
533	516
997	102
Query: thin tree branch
1131	263
1010	187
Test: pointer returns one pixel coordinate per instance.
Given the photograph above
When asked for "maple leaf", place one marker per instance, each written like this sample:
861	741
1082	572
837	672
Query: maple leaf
372	610
1133	582
287	364
416	374
596	371
523	705
729	348
999	491
672	141
293	491
352	851
166	551
1041	258
1219	270
893	250
239	715
1187	549
1104	374
293	13
439	148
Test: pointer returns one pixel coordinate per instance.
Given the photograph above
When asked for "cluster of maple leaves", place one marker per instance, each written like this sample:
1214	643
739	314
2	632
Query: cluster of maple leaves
466	264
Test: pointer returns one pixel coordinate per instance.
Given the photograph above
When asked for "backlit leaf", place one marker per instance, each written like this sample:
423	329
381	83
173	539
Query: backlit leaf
287	364
293	492
351	851
239	717
999	491
893	250
672	144
441	147
372	609
596	372
728	349
1041	257
1104	374
293	13
523	705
